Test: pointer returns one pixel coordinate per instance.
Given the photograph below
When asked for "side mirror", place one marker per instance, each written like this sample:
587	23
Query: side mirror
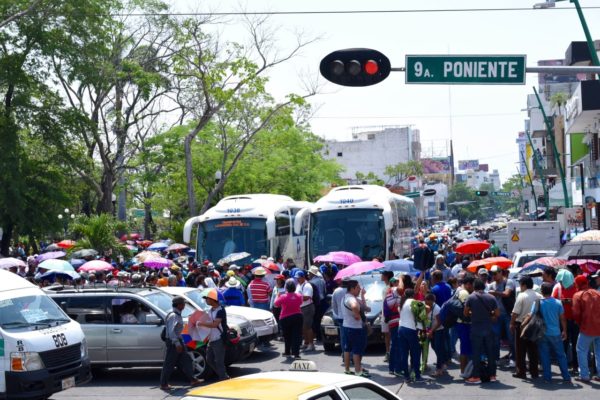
63	305
154	319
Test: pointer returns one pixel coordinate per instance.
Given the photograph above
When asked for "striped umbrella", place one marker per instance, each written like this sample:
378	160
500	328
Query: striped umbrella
547	262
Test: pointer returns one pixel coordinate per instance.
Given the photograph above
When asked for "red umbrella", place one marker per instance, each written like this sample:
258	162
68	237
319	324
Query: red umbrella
472	247
131	236
144	243
547	262
587	266
66	244
501	262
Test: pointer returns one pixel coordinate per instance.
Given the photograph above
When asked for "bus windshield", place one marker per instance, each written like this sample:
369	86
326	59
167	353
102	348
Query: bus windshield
220	237
359	231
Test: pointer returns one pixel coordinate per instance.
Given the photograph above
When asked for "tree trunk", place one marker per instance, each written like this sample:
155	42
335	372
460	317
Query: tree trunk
105	204
148	222
33	244
189	175
7	233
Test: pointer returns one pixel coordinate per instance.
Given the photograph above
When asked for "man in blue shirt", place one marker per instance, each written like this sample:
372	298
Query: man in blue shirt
554	318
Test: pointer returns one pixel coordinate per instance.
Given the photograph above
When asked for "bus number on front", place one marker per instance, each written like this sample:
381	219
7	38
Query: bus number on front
233	210
346	201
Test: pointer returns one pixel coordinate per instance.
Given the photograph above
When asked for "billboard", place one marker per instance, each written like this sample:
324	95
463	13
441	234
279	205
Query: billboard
468	164
438	165
550	78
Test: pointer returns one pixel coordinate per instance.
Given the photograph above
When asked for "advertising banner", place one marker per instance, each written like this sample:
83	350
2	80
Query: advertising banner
468	164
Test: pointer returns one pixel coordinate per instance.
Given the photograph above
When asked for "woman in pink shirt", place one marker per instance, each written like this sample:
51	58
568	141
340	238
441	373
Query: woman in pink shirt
290	319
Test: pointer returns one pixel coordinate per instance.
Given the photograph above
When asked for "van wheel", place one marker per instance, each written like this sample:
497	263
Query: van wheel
200	369
329	346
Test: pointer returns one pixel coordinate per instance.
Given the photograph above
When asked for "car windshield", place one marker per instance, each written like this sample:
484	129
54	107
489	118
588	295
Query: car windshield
164	302
374	286
196	297
30	311
359	231
220	237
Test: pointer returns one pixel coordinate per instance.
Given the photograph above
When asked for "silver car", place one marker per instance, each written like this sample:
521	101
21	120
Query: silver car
123	327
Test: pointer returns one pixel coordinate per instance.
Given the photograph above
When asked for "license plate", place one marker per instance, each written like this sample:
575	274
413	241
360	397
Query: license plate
331	331
68	383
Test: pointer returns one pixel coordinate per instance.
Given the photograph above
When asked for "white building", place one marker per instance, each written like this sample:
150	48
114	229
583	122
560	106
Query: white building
475	178
373	148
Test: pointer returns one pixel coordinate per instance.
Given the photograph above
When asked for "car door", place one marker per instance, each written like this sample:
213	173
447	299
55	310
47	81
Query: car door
90	312
366	391
134	340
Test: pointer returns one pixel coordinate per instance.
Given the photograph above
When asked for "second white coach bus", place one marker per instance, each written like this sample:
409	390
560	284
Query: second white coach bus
367	220
259	224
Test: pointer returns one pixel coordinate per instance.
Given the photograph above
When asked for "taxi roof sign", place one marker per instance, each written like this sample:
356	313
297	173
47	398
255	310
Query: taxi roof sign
303	365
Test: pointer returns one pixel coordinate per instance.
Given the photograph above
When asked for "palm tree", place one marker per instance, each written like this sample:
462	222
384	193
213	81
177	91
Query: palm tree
559	99
98	232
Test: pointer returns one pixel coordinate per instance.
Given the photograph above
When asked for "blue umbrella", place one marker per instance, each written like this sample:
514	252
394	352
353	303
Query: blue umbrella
56	265
52	275
158	246
404	266
77	262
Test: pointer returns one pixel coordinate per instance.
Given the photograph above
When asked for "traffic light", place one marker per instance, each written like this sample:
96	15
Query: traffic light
481	193
355	67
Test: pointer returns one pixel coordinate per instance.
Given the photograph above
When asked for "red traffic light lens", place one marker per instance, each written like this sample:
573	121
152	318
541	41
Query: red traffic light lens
371	67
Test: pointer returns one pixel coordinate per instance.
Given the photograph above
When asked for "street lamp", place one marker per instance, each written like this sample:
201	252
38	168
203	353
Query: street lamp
218	177
586	31
65	219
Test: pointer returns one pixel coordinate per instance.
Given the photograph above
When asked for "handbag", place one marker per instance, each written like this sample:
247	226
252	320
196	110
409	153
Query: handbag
533	327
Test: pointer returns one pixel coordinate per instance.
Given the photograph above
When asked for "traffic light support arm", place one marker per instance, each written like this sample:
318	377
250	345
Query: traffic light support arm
540	171
550	136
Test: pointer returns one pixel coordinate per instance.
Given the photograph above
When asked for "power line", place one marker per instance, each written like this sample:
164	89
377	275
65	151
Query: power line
416	116
341	12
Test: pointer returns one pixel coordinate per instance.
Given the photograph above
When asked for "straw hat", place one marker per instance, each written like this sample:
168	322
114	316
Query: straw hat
260	271
232	283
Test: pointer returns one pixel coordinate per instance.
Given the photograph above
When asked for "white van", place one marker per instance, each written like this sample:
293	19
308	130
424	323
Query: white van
42	351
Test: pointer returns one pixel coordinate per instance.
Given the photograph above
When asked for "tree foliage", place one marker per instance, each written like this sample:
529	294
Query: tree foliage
401	171
99	232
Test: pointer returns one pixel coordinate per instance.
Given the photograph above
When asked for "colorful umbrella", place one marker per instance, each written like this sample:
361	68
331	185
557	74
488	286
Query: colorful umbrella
358	269
233	257
160	246
404	266
501	262
83	253
473	247
96	265
52	247
66	244
176	247
587	266
144	243
77	262
339	257
157	262
587	235
56	265
52	275
147	254
131	236
547	262
6	263
50	256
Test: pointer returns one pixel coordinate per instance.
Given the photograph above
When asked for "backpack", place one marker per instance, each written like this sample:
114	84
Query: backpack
419	312
451	311
163	333
316	298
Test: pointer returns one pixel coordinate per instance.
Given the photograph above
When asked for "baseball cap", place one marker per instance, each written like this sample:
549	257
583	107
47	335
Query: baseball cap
212	294
299	274
495	269
482	271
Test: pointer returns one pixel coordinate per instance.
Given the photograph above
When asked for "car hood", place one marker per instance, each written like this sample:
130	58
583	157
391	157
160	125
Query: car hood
249	312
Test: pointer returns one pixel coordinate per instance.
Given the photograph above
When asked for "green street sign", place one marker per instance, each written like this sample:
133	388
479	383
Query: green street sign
466	69
501	194
412	195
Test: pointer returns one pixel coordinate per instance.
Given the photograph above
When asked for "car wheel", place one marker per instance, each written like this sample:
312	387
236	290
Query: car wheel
329	346
200	369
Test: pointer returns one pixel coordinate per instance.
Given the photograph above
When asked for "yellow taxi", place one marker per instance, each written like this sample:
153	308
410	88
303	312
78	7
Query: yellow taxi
293	385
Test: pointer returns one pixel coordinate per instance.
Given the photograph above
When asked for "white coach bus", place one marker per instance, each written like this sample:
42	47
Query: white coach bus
260	224
367	220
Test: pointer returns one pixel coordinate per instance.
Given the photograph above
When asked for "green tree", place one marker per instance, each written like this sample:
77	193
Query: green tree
463	203
99	232
402	171
369	178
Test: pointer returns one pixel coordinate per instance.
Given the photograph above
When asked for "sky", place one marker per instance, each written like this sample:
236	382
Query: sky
482	121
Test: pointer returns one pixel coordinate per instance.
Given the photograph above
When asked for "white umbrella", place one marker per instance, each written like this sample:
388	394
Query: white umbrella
6	263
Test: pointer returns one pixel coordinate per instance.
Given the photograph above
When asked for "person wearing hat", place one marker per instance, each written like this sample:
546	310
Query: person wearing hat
564	290
233	292
259	291
176	355
215	351
586	309
278	289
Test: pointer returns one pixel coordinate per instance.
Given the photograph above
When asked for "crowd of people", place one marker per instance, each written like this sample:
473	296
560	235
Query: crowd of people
462	315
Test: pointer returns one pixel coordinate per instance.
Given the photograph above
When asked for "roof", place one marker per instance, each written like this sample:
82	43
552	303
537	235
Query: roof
279	385
12	281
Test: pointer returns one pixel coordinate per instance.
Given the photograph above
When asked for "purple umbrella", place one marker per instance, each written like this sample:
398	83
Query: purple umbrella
358	269
176	247
157	262
339	257
50	256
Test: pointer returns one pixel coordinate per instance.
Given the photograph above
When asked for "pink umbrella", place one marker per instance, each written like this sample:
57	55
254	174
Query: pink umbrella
176	247
358	269
157	262
50	256
587	266
96	265
8	262
547	262
339	257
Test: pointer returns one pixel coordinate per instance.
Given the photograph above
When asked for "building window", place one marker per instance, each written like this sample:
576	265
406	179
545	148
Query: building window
371	136
339	154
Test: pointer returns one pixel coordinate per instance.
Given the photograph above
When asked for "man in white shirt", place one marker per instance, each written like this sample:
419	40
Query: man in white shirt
308	310
523	347
337	303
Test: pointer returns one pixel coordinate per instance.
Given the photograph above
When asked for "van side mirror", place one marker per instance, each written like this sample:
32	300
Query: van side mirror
63	305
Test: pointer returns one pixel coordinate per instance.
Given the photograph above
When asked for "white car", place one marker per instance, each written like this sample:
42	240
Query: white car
521	258
263	321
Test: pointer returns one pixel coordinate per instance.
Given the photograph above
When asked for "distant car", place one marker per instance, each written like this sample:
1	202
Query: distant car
263	321
521	258
286	385
375	288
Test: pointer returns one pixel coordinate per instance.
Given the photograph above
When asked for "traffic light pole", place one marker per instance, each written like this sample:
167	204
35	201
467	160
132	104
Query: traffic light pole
550	136
531	183
540	171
